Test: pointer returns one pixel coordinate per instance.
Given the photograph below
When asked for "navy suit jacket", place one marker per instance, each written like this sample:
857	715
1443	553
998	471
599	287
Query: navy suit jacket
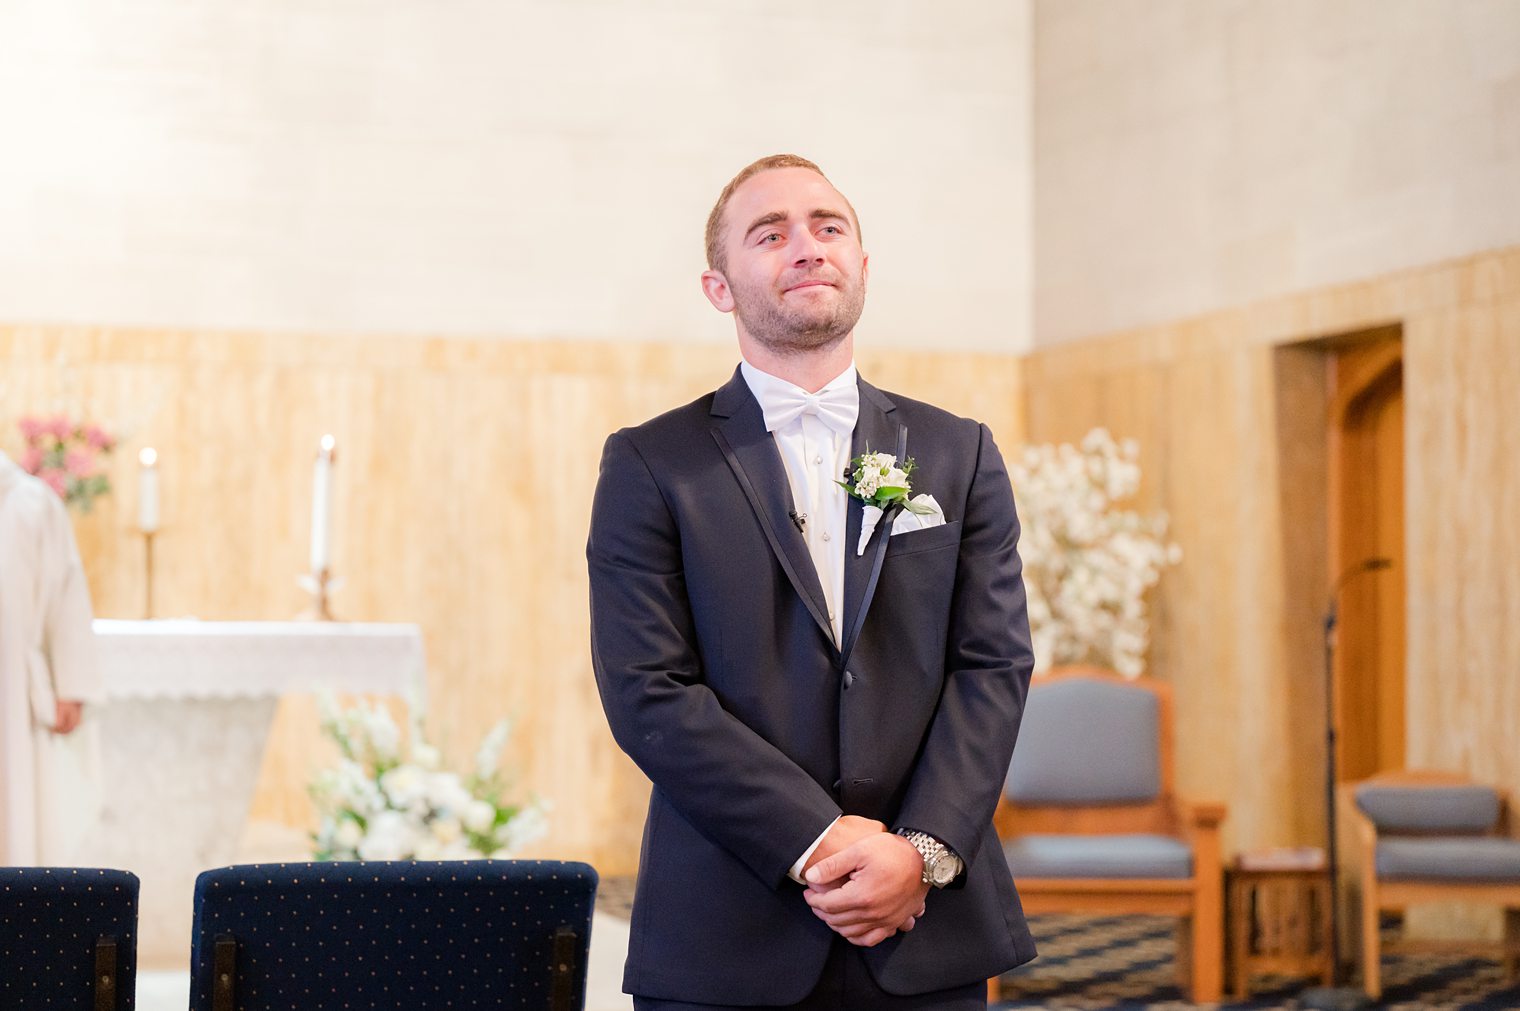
721	679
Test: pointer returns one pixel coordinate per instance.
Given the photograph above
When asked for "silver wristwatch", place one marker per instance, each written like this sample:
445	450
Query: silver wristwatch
940	865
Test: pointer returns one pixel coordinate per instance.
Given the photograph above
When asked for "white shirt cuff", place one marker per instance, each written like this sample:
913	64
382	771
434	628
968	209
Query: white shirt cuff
796	872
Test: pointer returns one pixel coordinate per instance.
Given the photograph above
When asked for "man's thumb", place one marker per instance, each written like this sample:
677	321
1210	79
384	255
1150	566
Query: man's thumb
816	873
830	868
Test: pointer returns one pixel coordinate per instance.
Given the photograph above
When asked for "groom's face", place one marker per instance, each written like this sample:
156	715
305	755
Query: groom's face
793	270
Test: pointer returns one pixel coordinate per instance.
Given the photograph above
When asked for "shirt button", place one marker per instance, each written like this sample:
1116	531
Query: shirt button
817	459
831	615
826	535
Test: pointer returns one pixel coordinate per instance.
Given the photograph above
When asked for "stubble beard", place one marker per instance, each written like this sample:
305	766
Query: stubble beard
802	329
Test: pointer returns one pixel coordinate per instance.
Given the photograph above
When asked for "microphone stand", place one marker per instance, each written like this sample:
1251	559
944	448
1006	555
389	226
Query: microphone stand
1336	997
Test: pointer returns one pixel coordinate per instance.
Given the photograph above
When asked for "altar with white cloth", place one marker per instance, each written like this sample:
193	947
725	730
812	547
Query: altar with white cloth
183	729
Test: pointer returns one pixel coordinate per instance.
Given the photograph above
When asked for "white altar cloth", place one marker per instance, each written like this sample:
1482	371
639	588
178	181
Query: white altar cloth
183	726
182	659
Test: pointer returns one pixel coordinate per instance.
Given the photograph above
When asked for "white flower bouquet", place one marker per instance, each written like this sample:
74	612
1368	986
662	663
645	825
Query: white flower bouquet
1087	564
389	802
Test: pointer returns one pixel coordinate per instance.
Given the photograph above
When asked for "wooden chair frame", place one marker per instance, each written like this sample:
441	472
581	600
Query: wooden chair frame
1377	897
1198	900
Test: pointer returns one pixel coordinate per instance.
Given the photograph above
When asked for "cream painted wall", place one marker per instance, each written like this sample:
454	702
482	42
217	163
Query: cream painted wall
1196	154
513	168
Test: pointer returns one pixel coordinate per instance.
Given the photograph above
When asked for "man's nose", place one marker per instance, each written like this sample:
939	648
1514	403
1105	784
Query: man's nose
808	250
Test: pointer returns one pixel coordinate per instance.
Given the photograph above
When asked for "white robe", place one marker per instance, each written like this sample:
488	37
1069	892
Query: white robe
49	783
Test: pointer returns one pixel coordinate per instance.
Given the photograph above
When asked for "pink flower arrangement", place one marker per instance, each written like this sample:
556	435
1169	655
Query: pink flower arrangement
67	458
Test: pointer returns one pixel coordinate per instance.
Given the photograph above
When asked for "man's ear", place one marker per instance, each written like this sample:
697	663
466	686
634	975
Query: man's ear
715	287
865	271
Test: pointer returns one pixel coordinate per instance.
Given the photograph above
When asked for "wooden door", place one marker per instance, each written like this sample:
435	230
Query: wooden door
1367	521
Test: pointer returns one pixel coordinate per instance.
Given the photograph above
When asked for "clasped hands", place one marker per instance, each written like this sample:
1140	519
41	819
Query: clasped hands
865	882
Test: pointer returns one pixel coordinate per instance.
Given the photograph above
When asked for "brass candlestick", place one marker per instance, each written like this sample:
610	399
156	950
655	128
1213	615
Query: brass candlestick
320	585
147	536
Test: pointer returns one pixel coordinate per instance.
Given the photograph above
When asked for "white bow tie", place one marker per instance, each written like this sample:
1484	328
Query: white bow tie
838	407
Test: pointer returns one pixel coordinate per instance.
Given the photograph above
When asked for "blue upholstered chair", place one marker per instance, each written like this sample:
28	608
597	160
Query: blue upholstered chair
68	938
1432	837
495	934
1091	823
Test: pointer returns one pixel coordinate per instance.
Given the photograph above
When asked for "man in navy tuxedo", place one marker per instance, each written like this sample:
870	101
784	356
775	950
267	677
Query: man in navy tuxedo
825	695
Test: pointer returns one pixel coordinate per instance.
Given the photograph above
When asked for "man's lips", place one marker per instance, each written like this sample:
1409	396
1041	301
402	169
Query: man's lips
810	284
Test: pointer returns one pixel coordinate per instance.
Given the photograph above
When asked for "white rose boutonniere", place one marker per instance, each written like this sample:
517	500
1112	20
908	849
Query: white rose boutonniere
880	482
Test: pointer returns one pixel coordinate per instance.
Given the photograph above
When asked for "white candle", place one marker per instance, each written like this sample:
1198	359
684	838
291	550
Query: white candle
321	506
147	491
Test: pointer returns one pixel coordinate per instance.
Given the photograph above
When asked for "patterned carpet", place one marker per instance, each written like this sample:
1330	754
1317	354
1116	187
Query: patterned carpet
1098	963
1092	963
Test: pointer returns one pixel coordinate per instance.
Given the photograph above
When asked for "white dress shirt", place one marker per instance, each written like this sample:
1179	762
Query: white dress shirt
814	456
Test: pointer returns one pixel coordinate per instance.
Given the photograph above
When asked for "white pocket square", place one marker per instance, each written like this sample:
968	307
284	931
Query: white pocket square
906	522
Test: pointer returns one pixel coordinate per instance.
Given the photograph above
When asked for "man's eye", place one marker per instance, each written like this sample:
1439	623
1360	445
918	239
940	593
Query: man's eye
832	229
768	237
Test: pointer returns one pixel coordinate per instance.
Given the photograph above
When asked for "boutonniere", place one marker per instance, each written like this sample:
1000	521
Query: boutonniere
880	482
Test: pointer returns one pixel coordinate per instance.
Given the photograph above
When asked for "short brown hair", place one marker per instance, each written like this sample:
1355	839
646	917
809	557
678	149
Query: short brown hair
715	257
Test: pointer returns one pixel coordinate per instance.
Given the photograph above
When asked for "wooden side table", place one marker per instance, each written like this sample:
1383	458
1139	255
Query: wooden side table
1278	922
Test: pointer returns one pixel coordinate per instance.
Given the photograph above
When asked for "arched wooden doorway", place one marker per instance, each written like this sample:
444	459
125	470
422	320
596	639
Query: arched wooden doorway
1366	456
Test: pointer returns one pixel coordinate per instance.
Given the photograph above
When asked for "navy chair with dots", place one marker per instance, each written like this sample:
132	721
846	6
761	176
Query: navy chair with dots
500	934
68	938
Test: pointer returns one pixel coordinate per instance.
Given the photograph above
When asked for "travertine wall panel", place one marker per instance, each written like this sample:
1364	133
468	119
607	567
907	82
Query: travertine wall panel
462	502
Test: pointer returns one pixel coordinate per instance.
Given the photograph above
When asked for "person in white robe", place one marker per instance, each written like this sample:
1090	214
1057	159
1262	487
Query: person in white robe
49	677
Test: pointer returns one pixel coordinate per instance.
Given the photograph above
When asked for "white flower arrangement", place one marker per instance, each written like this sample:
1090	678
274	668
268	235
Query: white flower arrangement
1088	565
386	802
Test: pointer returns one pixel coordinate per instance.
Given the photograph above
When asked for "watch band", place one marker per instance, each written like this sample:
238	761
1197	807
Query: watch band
941	866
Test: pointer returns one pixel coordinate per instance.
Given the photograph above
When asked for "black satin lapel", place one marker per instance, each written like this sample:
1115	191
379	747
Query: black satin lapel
875	432
756	463
876	552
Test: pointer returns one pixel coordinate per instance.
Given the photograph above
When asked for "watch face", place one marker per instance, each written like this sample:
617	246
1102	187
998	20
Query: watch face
942	873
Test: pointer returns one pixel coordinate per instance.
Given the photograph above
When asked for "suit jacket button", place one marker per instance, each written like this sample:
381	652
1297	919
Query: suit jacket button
837	784
849	679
